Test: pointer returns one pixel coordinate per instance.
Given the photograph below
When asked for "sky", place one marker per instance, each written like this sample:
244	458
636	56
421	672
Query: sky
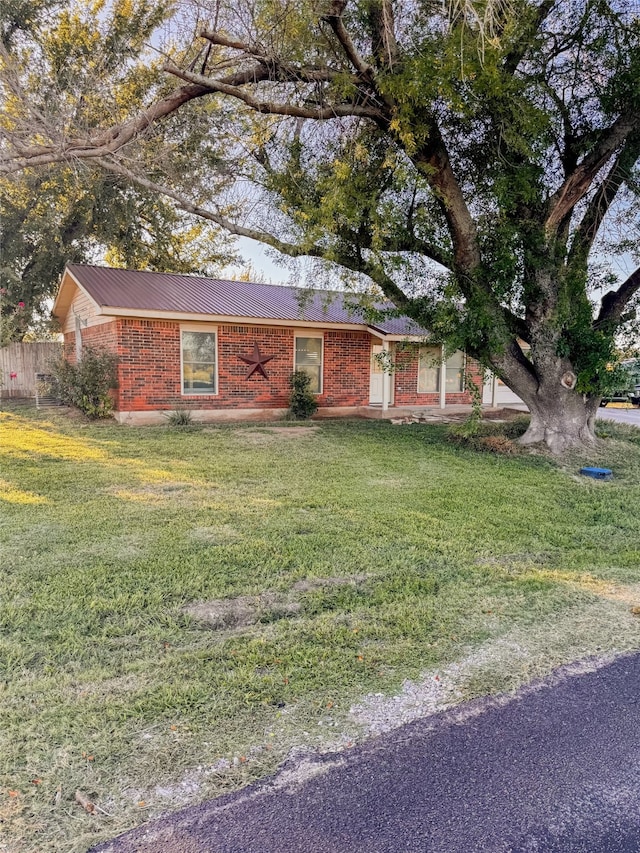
270	272
255	254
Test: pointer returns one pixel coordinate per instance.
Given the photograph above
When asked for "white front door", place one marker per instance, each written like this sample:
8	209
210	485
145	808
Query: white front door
377	376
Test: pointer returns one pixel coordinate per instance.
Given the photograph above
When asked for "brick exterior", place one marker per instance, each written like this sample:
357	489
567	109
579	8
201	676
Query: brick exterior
149	376
104	336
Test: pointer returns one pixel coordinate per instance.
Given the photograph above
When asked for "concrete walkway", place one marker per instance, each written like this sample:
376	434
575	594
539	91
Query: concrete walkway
622	415
554	769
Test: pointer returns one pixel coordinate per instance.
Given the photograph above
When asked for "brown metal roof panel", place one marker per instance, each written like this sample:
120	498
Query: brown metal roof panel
184	294
401	326
166	292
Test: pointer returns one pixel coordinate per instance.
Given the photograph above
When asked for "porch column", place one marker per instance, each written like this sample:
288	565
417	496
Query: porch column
386	377
494	390
443	379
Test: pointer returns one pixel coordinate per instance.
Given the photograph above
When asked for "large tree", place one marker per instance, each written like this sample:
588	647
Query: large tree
468	157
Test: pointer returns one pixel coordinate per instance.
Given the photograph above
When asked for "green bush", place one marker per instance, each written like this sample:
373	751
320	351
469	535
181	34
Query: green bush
179	418
87	385
498	438
302	401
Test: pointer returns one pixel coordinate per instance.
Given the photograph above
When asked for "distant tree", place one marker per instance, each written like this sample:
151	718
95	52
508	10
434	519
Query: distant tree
85	55
469	157
50	218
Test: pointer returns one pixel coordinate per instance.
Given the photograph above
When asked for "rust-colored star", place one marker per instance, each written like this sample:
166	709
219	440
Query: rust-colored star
256	362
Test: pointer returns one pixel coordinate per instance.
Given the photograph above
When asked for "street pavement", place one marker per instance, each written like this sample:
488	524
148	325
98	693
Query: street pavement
623	416
553	769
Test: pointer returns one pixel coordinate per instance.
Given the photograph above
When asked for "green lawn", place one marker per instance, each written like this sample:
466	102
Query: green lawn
381	552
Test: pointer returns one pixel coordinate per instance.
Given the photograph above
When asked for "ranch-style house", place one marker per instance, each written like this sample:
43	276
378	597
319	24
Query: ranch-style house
226	349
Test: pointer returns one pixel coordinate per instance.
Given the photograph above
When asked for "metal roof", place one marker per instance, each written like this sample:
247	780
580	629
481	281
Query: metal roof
167	293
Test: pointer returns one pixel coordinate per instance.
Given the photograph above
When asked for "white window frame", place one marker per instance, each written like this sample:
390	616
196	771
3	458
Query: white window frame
198	327
442	372
295	350
463	373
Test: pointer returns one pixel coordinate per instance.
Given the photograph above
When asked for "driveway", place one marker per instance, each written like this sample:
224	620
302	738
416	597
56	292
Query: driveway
554	769
621	416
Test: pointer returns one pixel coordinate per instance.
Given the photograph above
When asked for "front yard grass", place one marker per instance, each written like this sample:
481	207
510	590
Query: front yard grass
363	553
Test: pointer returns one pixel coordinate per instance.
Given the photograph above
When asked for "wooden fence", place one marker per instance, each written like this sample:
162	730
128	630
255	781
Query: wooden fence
19	364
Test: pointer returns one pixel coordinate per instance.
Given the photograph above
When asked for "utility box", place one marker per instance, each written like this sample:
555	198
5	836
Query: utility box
597	473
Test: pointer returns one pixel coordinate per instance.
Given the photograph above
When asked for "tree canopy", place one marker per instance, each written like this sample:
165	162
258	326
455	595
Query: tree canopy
87	61
470	157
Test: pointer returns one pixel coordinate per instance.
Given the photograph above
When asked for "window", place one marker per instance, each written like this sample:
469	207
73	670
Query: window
429	363
430	368
308	357
198	362
454	373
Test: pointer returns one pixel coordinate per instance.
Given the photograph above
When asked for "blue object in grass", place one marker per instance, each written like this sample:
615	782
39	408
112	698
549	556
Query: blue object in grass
597	473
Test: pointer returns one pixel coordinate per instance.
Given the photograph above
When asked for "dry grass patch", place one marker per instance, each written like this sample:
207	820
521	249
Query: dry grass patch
294	431
244	611
269	435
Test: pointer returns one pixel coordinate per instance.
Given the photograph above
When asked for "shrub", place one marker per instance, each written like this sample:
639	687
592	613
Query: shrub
497	438
87	385
498	444
302	401
179	418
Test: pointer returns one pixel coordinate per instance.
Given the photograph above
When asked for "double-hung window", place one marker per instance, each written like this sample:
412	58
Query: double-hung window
430	371
198	361
308	357
429	364
454	373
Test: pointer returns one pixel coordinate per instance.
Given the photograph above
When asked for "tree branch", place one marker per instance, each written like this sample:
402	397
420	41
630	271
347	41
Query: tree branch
100	145
434	163
272	107
107	142
384	45
365	70
519	49
369	267
603	199
577	185
412	243
615	301
223	41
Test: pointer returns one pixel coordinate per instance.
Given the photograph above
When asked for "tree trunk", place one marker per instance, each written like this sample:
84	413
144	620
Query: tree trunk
561	418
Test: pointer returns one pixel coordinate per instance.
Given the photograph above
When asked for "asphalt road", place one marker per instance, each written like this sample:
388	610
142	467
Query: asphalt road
624	416
556	769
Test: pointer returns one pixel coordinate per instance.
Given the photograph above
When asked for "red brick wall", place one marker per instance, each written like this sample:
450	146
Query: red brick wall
149	367
149	370
347	365
103	336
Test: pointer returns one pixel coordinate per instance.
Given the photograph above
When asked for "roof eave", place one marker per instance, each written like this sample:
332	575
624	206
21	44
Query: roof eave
387	336
227	319
64	297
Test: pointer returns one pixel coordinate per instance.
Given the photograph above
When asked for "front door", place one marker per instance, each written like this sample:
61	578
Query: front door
377	376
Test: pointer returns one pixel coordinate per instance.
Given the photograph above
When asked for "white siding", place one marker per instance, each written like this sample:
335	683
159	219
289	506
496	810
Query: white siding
84	307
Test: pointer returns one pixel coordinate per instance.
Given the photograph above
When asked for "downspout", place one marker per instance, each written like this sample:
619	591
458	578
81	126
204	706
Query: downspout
443	379
79	324
386	376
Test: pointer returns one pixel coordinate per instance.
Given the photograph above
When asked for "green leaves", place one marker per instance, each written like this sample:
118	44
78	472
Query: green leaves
86	385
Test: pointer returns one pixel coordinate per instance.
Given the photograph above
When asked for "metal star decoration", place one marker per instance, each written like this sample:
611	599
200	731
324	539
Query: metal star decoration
256	362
